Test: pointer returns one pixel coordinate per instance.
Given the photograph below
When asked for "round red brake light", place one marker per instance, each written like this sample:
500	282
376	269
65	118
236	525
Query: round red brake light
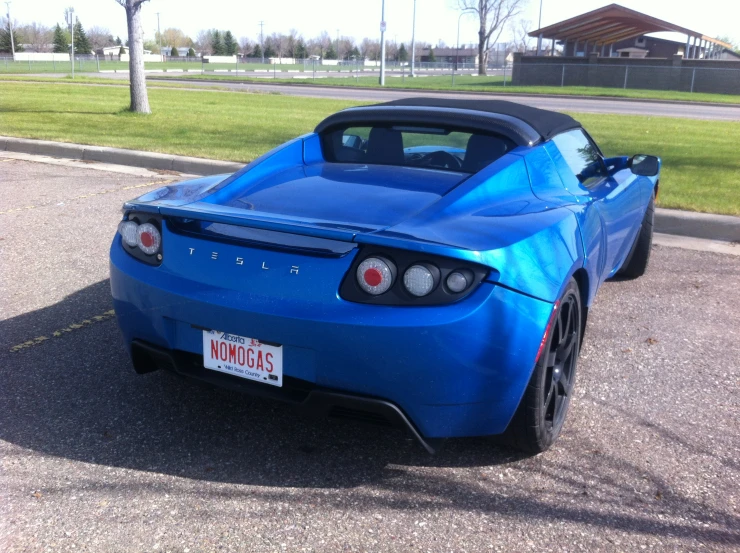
148	238
374	275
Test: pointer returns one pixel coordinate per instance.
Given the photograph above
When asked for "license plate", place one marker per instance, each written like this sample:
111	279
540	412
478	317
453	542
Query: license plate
243	357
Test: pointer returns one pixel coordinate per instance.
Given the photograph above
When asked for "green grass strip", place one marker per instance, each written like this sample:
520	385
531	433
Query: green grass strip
701	170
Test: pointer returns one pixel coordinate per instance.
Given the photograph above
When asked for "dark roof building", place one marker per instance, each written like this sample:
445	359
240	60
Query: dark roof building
451	55
602	29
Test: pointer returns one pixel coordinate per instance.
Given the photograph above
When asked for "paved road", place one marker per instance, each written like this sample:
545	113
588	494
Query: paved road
95	458
572	104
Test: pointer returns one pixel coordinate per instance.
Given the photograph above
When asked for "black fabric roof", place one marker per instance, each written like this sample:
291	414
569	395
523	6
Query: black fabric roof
546	123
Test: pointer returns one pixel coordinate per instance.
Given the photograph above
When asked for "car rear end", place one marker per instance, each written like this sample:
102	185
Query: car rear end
456	366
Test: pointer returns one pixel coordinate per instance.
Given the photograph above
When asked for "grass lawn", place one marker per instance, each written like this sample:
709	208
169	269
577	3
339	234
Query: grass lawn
701	169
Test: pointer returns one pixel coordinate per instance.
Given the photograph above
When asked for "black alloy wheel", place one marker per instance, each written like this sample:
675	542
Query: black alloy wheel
540	416
560	362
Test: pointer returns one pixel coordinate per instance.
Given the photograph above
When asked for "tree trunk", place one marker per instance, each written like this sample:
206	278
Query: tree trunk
139	97
482	49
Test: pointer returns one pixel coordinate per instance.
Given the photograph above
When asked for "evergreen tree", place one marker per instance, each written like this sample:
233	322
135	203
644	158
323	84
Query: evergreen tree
300	50
269	52
431	57
174	53
355	53
191	52
217	44
403	55
230	45
61	44
82	45
331	53
257	52
5	43
122	51
118	40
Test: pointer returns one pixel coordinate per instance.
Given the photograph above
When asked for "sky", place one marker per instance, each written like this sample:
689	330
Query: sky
435	19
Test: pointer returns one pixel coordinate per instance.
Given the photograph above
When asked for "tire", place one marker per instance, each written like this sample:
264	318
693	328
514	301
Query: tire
637	260
541	413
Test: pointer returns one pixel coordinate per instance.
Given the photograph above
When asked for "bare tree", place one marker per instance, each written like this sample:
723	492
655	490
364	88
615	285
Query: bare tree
137	79
246	46
370	49
520	30
38	36
99	37
203	40
493	16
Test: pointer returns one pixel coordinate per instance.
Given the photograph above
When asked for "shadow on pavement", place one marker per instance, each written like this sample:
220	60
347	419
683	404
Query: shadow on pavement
77	397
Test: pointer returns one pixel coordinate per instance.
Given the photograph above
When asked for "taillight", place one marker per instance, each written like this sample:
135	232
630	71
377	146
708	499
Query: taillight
375	275
142	238
389	276
148	238
419	280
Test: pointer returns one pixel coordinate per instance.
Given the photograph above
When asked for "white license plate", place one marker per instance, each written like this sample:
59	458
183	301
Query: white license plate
243	357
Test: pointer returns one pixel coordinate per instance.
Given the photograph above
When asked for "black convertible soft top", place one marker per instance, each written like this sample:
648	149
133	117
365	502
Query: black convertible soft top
524	125
546	123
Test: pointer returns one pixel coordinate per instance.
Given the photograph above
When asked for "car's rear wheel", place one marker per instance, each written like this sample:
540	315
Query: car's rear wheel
637	261
541	413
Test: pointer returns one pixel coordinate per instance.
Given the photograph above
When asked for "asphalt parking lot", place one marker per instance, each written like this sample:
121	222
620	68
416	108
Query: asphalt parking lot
96	458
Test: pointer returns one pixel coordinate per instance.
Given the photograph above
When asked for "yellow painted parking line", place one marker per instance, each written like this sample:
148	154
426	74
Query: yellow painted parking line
62	331
90	195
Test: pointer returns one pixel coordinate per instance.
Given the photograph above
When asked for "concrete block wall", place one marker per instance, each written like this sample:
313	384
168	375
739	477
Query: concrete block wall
714	76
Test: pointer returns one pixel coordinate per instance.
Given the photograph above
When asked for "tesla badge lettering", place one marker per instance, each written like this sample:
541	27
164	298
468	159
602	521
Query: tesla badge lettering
294	269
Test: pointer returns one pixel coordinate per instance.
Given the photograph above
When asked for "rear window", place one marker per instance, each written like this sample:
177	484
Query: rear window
415	146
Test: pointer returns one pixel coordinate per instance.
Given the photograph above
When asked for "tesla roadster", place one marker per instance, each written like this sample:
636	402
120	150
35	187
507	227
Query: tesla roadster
427	263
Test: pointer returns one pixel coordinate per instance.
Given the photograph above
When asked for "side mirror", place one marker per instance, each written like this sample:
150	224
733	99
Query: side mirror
352	141
644	165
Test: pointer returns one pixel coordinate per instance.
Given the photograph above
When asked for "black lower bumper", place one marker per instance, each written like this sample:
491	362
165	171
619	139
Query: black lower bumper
307	398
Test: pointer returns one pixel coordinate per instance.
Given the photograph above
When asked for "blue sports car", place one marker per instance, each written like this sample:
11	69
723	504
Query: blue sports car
427	263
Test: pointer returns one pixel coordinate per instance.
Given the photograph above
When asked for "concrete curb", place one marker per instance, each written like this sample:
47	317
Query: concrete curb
668	221
698	225
119	156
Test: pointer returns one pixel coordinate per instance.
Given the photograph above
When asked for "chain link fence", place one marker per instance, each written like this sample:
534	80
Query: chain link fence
709	79
95	64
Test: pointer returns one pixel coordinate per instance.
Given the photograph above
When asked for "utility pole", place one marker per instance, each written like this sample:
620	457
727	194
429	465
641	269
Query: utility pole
382	44
159	35
69	14
539	26
262	41
10	28
413	41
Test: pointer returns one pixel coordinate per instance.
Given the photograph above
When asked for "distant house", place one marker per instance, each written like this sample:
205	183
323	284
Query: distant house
450	55
113	51
30	48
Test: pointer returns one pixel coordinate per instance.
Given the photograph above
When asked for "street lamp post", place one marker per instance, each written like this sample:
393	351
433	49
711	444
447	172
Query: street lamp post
159	35
70	14
413	41
539	26
10	28
382	43
457	50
